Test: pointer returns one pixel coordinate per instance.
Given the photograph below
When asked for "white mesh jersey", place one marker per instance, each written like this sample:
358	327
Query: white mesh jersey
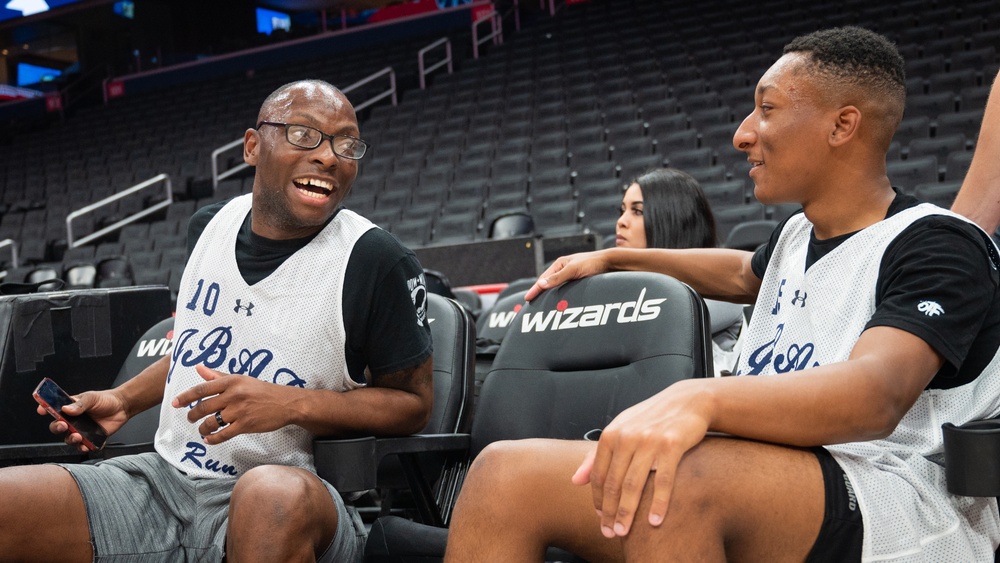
808	318
286	329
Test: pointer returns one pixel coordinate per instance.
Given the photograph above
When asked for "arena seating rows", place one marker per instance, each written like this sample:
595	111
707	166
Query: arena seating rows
553	122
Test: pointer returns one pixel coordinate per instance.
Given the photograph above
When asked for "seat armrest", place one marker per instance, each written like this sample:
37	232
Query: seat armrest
351	465
972	458
23	454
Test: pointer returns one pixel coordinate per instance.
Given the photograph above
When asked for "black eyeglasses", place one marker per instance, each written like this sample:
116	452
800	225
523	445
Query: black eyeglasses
309	138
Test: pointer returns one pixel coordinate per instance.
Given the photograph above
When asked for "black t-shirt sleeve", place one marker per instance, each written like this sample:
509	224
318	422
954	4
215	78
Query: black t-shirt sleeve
762	255
199	220
937	282
383	290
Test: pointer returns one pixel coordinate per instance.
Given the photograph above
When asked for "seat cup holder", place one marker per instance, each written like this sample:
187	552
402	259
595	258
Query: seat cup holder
972	458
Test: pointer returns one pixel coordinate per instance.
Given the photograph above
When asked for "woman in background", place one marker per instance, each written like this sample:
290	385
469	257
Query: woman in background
666	208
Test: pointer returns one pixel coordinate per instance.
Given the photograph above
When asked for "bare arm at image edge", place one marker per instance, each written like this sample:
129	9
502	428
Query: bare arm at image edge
979	198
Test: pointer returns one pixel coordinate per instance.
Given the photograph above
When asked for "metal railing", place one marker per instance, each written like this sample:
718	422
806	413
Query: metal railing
381	95
216	176
391	91
73	242
446	61
496	35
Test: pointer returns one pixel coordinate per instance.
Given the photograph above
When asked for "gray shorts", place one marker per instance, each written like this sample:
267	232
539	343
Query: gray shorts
143	509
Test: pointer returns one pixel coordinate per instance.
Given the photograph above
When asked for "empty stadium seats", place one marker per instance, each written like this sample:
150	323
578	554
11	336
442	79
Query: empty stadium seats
550	123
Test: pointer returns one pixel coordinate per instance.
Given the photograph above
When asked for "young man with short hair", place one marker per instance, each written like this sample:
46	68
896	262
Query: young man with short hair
876	320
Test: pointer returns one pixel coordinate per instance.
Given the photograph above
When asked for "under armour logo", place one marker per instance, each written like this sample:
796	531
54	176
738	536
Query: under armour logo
239	307
800	300
930	308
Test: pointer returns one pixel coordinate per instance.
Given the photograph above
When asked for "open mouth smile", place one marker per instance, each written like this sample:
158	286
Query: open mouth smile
313	187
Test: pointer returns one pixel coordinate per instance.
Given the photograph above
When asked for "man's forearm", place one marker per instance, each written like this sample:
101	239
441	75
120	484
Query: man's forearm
715	273
145	390
862	398
979	198
398	405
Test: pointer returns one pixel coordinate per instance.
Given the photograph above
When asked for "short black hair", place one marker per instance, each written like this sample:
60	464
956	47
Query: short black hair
676	213
853	53
856	57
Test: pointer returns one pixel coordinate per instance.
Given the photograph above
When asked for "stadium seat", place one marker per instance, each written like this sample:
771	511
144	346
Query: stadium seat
412	231
659	108
563	382
585	153
455	227
137	434
728	217
917	127
940	194
601	212
966	122
666	127
976	59
948	46
692	158
905	174
974	97
626	150
491	328
711	116
938	147
79	274
952	81
748	235
551	216
454	334
716	173
957	165
636	165
925	66
725	193
511	225
931	105
114	271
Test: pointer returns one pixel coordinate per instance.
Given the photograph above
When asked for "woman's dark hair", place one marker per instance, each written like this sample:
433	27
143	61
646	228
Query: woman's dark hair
675	212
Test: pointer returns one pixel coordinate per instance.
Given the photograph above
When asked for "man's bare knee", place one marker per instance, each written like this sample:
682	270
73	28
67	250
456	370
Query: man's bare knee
281	508
502	472
279	494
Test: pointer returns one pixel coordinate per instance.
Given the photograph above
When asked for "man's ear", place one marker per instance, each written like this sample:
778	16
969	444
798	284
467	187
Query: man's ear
251	143
845	128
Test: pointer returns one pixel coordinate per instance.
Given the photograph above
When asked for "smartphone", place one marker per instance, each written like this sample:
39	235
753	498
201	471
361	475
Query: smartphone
53	399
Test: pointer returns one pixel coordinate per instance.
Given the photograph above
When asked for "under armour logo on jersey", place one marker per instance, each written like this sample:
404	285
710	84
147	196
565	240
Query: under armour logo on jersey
799	300
930	308
240	307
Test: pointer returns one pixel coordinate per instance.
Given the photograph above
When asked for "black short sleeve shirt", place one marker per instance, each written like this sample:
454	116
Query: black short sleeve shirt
377	293
938	259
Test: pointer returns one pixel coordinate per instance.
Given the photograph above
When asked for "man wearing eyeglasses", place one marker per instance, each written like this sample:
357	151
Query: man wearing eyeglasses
313	303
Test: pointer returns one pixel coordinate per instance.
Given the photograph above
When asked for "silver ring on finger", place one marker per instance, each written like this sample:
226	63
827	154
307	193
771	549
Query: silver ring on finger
218	418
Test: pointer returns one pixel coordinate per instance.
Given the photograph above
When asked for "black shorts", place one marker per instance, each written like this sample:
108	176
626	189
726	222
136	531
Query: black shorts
843	532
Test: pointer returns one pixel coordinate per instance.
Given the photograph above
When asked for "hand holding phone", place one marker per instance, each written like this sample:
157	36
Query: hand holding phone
52	398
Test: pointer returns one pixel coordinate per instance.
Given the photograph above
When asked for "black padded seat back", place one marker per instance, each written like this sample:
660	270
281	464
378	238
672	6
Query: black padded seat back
491	327
578	355
151	346
493	324
454	336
